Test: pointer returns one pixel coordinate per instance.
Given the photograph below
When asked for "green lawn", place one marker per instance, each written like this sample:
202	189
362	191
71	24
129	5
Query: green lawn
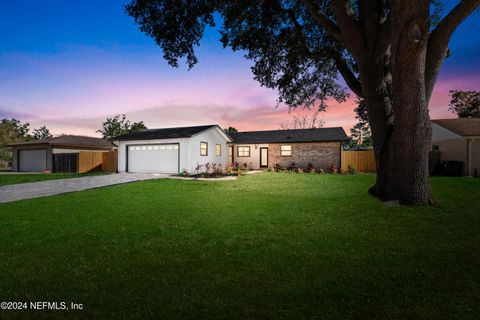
267	246
33	177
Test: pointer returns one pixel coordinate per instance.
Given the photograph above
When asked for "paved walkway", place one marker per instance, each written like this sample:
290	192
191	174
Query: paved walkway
31	190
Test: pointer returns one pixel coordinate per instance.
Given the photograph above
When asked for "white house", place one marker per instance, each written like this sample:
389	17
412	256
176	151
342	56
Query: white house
458	140
171	150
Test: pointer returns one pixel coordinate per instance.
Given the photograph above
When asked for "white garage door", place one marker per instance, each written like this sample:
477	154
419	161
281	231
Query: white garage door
153	158
33	160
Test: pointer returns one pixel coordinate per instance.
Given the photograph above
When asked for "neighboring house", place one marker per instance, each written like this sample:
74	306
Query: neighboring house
171	150
37	155
321	147
458	140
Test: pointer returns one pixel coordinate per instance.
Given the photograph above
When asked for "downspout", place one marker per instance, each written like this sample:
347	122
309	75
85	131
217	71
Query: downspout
470	157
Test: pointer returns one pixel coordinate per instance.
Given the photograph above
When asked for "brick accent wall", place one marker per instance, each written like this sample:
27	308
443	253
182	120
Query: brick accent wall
320	154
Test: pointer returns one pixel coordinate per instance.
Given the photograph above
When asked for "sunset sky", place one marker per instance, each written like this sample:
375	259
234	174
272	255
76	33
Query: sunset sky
70	64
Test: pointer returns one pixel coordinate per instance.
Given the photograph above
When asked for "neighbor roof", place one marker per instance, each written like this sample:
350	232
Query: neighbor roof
295	135
463	126
70	140
164	133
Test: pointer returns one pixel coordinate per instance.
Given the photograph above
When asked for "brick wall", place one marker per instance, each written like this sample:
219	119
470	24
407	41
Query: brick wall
320	154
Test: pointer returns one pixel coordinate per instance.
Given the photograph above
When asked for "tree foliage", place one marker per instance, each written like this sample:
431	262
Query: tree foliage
41	133
466	104
119	125
230	130
11	131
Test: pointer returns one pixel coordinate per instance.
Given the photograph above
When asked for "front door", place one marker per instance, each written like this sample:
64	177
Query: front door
263	157
230	154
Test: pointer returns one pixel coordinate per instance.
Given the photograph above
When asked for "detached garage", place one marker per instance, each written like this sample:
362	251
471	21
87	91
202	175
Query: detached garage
32	160
171	150
37	155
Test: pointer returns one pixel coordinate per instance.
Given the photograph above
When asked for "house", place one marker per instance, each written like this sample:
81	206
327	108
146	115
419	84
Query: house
37	155
171	150
261	149
458	140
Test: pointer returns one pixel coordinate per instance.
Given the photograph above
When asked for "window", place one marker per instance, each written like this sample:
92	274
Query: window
436	147
243	151
218	150
286	151
203	149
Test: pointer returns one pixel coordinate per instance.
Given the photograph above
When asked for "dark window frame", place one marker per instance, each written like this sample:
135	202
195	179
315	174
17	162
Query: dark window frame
206	149
238	153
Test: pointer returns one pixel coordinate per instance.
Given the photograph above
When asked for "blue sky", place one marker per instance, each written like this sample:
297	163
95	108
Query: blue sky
69	64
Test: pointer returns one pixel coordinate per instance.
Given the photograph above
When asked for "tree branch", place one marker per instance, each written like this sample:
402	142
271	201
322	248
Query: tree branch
350	30
350	78
438	42
323	20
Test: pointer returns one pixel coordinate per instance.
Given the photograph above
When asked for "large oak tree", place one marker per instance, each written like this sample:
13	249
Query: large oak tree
388	52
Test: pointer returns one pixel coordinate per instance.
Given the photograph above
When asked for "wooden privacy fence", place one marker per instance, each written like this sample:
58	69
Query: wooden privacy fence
85	161
89	161
363	161
109	161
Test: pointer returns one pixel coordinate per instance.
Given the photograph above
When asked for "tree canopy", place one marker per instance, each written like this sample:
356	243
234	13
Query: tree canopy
466	104
41	133
119	125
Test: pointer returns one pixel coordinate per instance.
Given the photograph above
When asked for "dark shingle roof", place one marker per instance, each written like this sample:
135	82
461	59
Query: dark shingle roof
285	136
164	133
70	140
462	126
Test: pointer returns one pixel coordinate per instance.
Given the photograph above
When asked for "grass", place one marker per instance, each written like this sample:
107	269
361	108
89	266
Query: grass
13	178
267	246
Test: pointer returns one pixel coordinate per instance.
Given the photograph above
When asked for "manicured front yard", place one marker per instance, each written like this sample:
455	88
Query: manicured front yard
267	246
14	178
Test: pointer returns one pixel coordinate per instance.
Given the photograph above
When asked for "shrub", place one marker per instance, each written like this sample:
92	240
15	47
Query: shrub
310	168
184	173
351	169
198	168
332	168
292	167
321	171
277	167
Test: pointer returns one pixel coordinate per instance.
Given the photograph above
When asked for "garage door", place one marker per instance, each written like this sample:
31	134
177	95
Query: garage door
153	158
32	160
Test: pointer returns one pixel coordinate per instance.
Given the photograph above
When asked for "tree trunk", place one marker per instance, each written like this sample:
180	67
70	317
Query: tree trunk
380	117
412	133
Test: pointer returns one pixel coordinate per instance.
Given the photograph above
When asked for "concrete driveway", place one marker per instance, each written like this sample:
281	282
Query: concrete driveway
31	190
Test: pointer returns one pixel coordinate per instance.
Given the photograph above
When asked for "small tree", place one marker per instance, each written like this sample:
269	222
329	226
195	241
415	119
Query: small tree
230	130
119	125
11	131
41	133
466	104
361	134
304	121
